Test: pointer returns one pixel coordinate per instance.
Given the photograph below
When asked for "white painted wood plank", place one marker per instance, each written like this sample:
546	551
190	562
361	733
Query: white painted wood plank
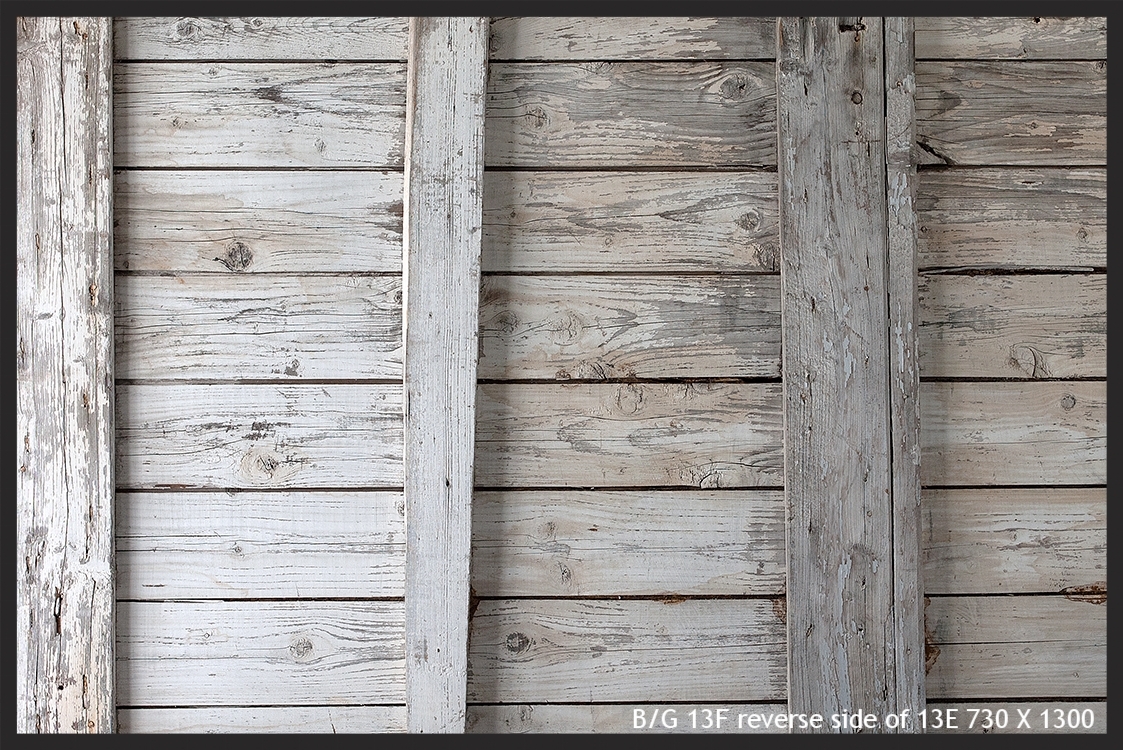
971	718
629	718
265	719
1005	38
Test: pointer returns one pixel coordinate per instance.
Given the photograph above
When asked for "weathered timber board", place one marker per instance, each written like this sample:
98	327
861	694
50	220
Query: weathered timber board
630	718
996	433
1025	38
1012	218
701	435
215	436
281	327
639	221
213	653
1039	326
570	543
561	650
632	38
1013	113
1014	541
266	719
993	647
200	545
971	718
248	221
229	114
597	328
260	38
622	114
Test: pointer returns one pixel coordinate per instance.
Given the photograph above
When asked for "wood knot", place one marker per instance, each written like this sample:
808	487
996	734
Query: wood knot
300	648
856	97
537	118
186	30
749	221
734	87
629	398
1068	401
518	643
238	256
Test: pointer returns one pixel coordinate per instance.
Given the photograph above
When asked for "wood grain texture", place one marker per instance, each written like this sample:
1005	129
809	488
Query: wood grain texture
1012	113
215	653
1025	38
251	221
629	543
203	545
594	718
231	114
597	328
1039	326
1013	218
279	327
1014	541
1011	433
632	38
266	719
630	221
1034	723
993	648
260	38
592	651
217	436
64	377
700	435
626	114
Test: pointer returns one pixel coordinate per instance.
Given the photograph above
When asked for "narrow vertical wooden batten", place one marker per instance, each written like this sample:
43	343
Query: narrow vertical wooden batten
442	233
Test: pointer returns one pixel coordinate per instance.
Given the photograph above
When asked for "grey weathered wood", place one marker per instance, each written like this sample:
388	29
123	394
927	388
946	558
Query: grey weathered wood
203	545
833	246
594	718
1012	326
1016	541
592	651
965	712
632	38
1013	218
701	435
266	719
995	433
234	114
626	114
215	436
1025	38
261	38
443	229
597	328
1016	113
630	543
630	221
277	326
214	653
237	221
64	377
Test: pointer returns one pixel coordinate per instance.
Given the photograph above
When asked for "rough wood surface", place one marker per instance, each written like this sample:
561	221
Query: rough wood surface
214	653
1031	711
1025	38
995	433
598	328
203	545
630	221
64	377
268	719
630	543
596	651
627	114
230	114
629	718
701	435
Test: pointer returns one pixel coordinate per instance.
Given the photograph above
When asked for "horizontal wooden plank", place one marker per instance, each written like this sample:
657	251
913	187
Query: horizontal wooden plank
260	38
702	435
1025	717
1040	326
266	719
638	221
247	221
1014	541
1006	38
282	327
1012	218
220	114
594	651
995	433
203	545
213	436
629	327
632	38
260	653
629	718
1028	113
623	114
570	543
996	647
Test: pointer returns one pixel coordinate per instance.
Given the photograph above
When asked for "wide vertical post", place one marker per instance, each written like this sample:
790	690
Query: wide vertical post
64	376
443	229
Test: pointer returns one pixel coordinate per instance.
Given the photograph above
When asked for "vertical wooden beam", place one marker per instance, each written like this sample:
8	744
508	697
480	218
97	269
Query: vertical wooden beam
443	220
64	376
